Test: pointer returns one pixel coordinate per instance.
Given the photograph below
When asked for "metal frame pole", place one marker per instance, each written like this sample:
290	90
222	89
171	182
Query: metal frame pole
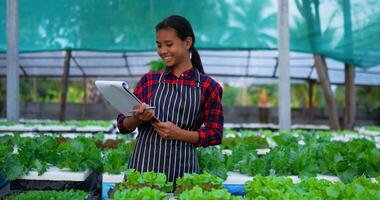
13	88
283	62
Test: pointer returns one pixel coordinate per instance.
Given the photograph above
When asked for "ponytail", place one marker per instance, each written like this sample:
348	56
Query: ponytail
196	59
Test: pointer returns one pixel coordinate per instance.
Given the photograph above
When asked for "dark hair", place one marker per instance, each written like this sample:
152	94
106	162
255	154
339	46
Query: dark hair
183	29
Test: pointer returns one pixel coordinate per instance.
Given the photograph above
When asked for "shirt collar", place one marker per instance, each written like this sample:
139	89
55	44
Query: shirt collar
188	74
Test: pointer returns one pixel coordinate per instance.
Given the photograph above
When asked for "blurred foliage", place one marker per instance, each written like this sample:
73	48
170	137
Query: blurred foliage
230	94
366	97
156	65
49	90
2	89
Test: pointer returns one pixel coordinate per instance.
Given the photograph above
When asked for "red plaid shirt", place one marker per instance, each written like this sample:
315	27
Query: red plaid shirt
211	110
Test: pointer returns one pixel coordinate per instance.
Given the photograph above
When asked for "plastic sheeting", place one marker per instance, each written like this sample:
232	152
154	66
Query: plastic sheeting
344	30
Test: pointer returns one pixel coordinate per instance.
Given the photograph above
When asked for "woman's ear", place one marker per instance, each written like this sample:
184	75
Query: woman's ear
188	42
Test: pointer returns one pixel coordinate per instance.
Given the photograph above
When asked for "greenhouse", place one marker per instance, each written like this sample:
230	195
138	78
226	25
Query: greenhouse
288	105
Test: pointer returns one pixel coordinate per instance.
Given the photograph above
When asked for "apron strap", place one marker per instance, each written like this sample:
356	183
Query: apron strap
162	74
198	79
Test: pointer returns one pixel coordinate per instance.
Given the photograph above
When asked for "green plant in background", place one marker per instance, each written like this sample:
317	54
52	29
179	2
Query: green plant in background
254	140
116	160
79	154
2	89
373	128
49	90
255	91
229	95
368	97
211	160
156	65
26	90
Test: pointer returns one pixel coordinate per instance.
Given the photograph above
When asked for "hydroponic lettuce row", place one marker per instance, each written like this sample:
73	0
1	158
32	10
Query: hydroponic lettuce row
23	154
137	180
32	153
212	160
116	160
271	187
373	128
139	194
79	154
344	159
318	154
205	181
257	141
200	194
49	195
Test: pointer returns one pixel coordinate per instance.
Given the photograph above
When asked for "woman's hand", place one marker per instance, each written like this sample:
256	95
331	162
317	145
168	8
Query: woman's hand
168	130
142	114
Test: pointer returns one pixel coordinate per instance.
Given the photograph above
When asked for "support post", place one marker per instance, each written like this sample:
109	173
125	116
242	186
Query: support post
311	84
283	61
13	82
65	79
320	66
84	108
350	97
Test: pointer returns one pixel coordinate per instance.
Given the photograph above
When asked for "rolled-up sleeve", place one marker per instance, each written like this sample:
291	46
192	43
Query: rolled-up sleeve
120	119
212	131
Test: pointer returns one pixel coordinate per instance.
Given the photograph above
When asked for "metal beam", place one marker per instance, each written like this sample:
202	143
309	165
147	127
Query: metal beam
13	88
283	63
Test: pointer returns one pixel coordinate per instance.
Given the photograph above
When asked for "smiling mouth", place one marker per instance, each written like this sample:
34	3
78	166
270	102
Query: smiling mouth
167	58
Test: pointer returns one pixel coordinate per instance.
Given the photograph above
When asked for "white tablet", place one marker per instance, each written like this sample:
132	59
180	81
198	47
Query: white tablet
118	94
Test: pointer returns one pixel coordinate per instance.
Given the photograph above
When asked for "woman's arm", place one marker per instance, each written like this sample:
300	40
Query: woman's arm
129	124
212	114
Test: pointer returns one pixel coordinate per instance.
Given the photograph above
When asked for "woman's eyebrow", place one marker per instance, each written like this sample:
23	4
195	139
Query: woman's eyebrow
165	41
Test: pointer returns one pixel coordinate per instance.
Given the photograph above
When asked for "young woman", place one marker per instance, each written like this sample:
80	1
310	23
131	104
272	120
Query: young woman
187	103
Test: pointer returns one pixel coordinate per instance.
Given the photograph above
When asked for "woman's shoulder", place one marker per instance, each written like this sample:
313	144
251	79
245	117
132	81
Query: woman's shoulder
208	82
151	76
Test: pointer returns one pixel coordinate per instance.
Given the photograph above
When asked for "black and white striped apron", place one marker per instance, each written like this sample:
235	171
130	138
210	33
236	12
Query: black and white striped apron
180	105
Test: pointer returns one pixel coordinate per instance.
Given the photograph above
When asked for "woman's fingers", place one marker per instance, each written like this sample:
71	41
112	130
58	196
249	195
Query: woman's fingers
143	114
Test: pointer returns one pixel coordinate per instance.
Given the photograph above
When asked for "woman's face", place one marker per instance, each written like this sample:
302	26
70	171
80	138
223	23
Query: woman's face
172	50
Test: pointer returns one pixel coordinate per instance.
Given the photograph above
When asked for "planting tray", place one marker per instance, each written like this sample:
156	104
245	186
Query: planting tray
94	129
235	182
56	174
17	128
109	182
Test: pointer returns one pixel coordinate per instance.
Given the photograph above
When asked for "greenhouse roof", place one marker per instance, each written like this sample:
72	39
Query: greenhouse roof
226	66
347	31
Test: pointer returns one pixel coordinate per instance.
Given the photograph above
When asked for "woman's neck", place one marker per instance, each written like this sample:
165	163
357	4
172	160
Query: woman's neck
179	69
